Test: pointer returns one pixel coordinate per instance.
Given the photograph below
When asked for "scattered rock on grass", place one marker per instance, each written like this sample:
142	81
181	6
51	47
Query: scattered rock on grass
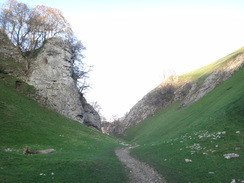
188	160
231	155
8	150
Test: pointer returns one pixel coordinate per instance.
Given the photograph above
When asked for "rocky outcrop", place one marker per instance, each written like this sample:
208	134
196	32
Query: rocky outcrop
91	117
175	89
217	77
113	128
51	75
158	98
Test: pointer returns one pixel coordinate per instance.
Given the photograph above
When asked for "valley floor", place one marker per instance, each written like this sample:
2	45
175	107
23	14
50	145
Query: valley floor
139	172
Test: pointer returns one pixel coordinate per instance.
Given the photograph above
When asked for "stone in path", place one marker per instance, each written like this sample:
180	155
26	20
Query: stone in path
139	172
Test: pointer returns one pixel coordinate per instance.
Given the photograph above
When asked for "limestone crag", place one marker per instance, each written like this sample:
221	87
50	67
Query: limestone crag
175	89
90	115
51	74
214	79
113	128
158	98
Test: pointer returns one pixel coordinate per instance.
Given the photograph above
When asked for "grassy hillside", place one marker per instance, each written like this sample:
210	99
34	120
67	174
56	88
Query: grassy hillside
82	155
202	132
203	72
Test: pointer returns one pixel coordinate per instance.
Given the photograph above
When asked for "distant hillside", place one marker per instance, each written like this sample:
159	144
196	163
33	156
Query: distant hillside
82	154
199	140
185	90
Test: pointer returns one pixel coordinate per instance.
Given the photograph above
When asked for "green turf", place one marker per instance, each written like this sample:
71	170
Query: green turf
202	73
202	132
82	154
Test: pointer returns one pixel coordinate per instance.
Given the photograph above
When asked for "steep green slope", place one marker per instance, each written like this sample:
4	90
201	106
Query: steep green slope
202	132
203	72
82	155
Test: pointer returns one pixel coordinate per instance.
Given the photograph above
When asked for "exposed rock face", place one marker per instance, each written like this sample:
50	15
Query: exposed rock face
214	79
50	74
174	89
158	98
90	115
113	128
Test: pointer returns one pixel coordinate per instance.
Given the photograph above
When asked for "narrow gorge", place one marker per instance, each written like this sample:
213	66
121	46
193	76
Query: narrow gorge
184	89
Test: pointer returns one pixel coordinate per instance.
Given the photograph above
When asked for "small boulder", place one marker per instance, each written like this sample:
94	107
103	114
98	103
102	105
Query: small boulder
188	160
231	155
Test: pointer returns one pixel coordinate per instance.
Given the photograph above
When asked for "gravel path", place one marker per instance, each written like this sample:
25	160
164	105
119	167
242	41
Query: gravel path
139	172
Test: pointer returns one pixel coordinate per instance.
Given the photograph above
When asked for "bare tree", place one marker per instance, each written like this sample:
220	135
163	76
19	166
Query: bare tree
96	106
14	18
80	70
28	29
167	73
52	22
76	48
83	84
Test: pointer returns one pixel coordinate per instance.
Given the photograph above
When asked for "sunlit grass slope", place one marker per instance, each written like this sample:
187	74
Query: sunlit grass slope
82	155
203	72
202	132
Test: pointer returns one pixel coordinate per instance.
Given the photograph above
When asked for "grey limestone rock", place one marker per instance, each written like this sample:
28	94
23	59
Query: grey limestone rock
51	75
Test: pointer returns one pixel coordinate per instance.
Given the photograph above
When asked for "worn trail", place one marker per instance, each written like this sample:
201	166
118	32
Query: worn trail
139	172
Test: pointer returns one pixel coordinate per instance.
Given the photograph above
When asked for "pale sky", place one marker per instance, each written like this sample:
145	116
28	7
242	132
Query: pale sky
132	43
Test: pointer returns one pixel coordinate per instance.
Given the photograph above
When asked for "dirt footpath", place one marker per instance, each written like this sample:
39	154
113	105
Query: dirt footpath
139	172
